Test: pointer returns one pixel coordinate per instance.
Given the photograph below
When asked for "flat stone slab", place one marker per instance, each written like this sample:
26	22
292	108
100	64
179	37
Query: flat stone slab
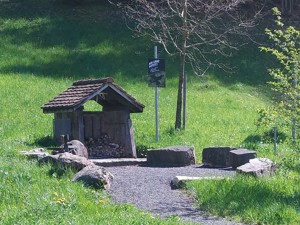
119	161
179	181
173	156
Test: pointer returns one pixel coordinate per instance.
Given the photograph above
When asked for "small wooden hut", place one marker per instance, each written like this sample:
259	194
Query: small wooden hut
113	121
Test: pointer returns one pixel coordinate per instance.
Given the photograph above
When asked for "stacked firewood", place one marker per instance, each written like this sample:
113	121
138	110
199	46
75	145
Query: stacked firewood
103	147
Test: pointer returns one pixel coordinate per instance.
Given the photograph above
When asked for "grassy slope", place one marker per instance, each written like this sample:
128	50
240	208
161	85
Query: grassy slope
45	47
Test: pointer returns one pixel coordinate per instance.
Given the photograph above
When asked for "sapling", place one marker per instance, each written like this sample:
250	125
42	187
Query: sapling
286	48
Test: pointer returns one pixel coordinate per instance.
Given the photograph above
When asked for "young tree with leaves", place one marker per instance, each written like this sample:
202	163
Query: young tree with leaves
286	48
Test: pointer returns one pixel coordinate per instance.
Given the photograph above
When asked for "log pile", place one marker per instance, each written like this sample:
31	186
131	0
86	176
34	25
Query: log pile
103	147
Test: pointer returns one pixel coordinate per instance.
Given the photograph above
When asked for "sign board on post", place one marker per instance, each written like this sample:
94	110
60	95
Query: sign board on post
156	73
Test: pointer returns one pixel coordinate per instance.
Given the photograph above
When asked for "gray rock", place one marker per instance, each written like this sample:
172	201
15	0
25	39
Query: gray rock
66	159
49	159
75	147
74	161
240	157
94	176
258	167
217	156
173	156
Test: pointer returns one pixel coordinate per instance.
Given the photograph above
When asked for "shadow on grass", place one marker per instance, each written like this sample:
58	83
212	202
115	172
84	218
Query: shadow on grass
61	172
91	40
76	41
253	140
57	172
249	66
45	142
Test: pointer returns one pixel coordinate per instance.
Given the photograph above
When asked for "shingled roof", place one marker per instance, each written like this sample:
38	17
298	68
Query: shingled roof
104	91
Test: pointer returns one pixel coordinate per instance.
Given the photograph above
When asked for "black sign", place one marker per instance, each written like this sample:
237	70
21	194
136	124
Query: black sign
156	73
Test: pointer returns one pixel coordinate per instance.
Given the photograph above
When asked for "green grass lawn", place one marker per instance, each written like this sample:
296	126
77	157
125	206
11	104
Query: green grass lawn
45	46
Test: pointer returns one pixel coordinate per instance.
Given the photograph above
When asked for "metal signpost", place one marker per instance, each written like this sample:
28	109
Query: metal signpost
156	78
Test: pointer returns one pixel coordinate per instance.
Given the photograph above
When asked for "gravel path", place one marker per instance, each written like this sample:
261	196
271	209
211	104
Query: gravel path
149	188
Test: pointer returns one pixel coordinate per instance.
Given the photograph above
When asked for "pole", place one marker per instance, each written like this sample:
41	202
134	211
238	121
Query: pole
156	102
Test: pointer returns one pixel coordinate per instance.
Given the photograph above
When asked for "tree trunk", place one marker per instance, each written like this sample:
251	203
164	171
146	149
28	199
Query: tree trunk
178	122
184	101
179	94
287	7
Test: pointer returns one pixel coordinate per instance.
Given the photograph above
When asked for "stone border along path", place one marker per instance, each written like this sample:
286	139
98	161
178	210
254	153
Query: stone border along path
149	188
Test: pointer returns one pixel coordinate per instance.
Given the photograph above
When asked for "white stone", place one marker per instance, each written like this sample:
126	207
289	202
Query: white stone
178	181
119	161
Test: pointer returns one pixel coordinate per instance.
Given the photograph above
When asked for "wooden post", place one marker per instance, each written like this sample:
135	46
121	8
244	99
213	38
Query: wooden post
184	100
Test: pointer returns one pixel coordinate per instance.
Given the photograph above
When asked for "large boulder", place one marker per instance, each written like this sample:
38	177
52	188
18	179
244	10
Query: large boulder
258	167
94	176
217	156
173	156
66	159
75	147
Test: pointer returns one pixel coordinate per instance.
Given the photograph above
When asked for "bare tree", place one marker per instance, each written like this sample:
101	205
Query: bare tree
196	30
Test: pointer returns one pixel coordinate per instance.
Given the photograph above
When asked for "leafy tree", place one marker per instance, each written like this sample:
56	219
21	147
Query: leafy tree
286	48
197	31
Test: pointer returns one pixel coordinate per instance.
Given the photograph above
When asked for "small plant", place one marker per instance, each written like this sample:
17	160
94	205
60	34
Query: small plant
141	151
290	162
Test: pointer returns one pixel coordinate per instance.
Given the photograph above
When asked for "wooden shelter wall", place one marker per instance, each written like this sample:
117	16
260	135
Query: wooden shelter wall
74	119
93	124
113	123
116	124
